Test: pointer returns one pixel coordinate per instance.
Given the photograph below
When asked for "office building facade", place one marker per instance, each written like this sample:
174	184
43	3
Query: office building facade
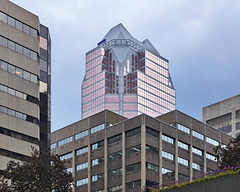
224	115
108	152
25	77
126	76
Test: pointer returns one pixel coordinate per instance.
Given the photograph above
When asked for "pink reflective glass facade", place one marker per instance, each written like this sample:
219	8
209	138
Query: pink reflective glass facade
139	84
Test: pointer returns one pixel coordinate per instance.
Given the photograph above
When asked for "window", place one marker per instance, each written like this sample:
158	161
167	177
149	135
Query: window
152	132
197	167
133	167
97	145
197	135
182	161
66	156
212	141
53	146
182	177
82	134
97	177
115	173
115	188
82	182
98	161
168	172
211	157
65	141
82	150
133	184
183	128
134	149
167	139
116	155
182	145
152	149
115	138
69	170
152	167
133	132
97	128
197	151
82	166
167	155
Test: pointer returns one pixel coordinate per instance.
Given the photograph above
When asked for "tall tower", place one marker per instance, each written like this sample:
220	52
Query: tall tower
126	76
25	77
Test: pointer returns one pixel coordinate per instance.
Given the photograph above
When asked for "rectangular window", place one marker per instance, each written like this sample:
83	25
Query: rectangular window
133	149
182	145
133	184
197	151
152	149
133	167
115	188
152	132
212	141
211	157
115	138
115	173
97	177
3	65
168	172
197	167
116	155
182	161
82	150
167	139
80	135
82	182
97	161
82	166
97	145
66	156
167	155
53	146
133	132
97	128
197	135
183	128
152	167
65	141
69	170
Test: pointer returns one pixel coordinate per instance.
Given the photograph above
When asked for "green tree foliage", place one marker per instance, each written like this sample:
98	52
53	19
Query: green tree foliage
41	172
229	155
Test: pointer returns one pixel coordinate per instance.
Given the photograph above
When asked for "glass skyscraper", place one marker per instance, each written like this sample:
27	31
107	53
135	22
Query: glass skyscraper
126	76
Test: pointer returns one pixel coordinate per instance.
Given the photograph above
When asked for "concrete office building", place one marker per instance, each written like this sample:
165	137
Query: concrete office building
126	76
224	115
108	152
25	75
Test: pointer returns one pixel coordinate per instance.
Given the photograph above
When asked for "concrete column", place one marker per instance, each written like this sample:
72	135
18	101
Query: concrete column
143	155
190	162
233	122
105	166
89	166
123	162
176	159
204	162
160	158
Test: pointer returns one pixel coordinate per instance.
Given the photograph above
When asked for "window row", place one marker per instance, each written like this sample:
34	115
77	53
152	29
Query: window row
19	115
53	146
19	94
97	177
115	188
80	135
18	72
97	128
82	182
97	161
212	141
18	25
197	151
152	167
133	167
18	48
82	166
182	161
115	172
66	156
197	167
183	128
65	141
115	138
182	145
167	139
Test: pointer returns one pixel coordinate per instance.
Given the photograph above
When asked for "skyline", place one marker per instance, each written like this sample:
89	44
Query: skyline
194	36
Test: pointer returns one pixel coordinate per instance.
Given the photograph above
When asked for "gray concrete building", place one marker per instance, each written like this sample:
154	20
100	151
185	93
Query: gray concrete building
224	115
108	152
25	75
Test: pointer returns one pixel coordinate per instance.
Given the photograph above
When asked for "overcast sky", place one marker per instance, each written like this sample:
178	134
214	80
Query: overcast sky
200	38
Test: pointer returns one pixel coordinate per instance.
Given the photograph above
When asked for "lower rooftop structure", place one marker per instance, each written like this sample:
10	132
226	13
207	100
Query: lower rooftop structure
108	152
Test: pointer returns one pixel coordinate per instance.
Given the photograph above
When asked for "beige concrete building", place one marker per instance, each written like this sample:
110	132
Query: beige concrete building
107	152
224	115
24	61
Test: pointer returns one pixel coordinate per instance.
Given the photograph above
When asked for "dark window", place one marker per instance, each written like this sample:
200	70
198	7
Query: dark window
133	184
152	132
133	167
116	155
237	125
43	76
133	132
226	129
115	138
151	184
43	54
133	149
152	149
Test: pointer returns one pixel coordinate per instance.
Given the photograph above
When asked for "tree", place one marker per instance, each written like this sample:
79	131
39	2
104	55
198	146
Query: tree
41	172
229	155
